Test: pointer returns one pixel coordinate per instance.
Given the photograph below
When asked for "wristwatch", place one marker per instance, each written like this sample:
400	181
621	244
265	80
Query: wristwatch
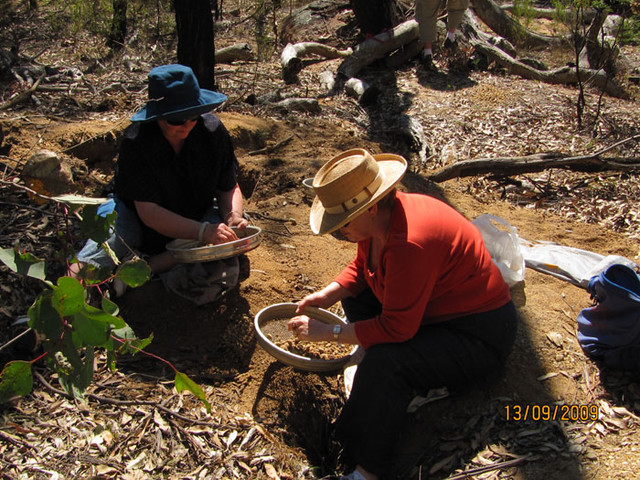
337	330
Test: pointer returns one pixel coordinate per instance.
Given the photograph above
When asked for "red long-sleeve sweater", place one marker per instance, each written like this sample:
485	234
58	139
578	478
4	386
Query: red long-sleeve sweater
433	267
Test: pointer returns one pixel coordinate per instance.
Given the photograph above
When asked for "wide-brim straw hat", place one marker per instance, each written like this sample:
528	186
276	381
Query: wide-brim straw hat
350	183
175	94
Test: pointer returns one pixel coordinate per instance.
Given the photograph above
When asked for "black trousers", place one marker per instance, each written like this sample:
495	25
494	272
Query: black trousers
451	354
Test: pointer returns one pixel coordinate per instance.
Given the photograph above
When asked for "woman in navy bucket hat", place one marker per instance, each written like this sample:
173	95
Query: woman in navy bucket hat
176	161
174	93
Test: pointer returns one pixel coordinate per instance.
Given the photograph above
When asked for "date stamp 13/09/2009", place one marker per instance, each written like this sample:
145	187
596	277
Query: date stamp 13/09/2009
547	413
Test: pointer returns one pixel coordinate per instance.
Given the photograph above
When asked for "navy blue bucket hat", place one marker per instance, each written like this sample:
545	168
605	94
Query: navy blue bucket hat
174	94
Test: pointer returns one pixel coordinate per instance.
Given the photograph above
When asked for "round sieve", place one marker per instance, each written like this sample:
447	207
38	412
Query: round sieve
192	251
270	325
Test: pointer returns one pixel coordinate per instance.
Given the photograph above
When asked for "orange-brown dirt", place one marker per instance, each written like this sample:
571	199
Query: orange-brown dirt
478	114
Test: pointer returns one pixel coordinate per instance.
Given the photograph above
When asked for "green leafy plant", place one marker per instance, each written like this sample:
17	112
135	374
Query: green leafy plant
72	323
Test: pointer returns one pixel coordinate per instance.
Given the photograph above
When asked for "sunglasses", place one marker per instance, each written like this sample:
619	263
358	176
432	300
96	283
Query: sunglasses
337	234
177	123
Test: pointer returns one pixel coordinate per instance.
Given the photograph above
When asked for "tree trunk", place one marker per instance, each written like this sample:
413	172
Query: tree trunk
378	47
118	31
376	16
506	26
196	47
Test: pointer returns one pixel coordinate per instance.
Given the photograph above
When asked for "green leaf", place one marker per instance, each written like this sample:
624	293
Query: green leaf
110	307
23	263
183	382
68	296
15	379
75	371
132	344
79	200
45	319
97	227
92	326
91	274
134	272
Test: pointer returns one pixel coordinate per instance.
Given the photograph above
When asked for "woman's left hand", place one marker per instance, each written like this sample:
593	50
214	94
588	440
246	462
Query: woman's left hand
235	219
305	328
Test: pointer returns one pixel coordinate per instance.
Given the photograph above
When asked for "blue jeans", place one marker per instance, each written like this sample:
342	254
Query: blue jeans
126	238
452	354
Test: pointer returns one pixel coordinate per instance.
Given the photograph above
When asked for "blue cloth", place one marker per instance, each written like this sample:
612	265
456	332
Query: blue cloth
609	331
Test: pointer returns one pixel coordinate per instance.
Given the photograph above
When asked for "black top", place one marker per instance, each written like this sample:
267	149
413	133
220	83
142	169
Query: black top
148	170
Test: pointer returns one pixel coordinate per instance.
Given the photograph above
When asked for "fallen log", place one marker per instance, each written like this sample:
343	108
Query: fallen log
22	96
546	13
499	21
234	53
563	75
291	60
327	80
364	93
378	47
310	105
537	163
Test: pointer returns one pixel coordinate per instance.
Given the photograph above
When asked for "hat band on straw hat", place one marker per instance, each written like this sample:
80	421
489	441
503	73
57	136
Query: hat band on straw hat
360	198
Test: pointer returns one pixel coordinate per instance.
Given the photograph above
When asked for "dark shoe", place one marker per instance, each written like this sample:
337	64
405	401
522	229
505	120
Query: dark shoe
451	45
426	60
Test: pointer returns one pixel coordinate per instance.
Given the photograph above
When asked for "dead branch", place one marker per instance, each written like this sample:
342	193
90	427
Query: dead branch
297	104
272	148
113	401
562	75
378	47
291	55
494	466
499	21
536	163
233	53
364	93
23	96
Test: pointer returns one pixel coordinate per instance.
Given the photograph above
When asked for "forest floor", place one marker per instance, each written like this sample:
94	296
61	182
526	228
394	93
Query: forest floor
270	420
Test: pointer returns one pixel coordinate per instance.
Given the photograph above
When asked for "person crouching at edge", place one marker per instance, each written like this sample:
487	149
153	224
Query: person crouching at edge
422	297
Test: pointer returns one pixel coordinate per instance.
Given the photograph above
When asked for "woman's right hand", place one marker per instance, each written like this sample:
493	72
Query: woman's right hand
216	233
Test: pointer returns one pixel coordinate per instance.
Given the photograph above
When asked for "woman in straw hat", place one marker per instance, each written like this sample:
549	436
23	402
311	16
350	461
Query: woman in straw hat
175	159
422	297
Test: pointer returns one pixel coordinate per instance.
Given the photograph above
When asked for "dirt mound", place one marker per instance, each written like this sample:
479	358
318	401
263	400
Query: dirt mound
270	420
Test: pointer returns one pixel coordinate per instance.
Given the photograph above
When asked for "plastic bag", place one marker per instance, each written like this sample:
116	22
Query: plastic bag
568	263
501	239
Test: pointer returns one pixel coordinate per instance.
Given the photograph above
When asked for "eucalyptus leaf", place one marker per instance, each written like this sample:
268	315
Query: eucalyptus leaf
68	296
45	319
134	272
182	382
23	263
15	380
79	200
95	226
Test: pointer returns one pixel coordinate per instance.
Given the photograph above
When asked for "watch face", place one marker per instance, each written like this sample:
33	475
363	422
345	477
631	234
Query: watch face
337	329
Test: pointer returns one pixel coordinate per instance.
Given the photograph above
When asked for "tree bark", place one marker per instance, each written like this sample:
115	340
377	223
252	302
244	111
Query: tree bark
234	53
506	26
375	16
537	163
291	61
196	48
563	75
118	31
378	47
